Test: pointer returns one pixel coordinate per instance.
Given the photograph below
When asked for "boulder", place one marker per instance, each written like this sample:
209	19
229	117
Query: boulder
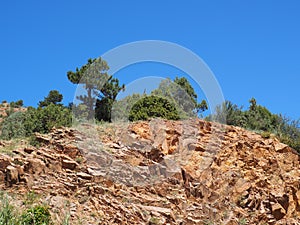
4	162
12	175
278	211
69	164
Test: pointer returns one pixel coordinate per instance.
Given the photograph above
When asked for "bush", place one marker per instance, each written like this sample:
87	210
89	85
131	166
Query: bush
121	108
182	95
266	134
288	131
13	126
38	215
7	212
41	120
230	114
260	119
151	107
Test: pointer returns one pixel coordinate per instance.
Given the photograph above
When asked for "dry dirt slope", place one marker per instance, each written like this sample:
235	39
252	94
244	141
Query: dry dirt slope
158	172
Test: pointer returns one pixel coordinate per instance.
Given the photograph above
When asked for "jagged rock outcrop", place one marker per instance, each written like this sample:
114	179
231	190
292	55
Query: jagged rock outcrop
159	172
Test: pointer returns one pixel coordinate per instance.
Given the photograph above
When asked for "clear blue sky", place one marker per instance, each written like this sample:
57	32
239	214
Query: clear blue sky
253	47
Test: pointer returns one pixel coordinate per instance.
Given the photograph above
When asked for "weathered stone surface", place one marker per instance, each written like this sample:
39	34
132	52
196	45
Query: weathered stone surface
163	172
29	150
4	162
12	175
278	211
2	177
34	166
84	176
69	164
280	147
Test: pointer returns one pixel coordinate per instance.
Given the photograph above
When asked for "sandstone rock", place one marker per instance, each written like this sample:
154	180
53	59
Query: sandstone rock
242	185
2	177
34	166
278	211
70	186
12	175
195	172
69	164
84	176
280	147
71	150
29	150
4	162
157	209
96	173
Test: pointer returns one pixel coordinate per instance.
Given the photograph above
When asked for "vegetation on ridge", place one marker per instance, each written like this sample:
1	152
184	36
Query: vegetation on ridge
258	118
173	100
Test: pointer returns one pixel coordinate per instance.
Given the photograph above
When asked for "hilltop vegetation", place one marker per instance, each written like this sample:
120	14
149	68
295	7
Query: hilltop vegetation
172	100
258	118
49	114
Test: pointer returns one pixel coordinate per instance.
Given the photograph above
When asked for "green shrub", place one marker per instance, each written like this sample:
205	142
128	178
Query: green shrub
152	107
38	215
7	212
13	126
266	134
121	108
259	118
288	131
41	120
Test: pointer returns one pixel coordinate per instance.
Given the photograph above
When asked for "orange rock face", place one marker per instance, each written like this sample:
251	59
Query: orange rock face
160	172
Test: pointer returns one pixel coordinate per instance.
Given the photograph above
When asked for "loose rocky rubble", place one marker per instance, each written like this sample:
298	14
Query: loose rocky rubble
158	172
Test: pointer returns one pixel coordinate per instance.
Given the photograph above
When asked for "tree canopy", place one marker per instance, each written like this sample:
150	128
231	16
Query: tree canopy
54	97
181	93
101	88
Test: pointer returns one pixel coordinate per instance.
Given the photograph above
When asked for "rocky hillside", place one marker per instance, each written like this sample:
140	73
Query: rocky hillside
156	172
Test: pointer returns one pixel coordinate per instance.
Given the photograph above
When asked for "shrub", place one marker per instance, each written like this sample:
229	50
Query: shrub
230	114
38	215
151	107
260	119
121	108
7	213
266	134
41	120
288	131
13	126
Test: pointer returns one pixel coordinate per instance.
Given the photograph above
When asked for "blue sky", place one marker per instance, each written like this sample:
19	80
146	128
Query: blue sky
252	47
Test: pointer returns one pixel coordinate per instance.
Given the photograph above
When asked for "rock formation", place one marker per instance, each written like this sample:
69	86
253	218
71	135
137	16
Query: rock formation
158	172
